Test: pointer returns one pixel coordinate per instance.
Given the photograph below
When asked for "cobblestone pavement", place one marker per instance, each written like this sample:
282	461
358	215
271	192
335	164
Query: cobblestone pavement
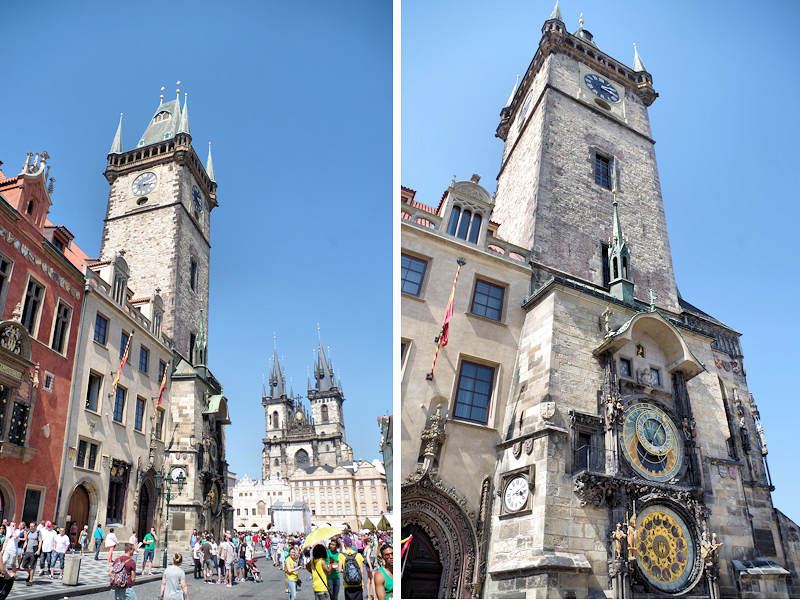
92	574
271	588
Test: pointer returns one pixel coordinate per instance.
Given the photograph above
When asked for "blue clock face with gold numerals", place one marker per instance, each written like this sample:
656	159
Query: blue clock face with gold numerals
651	443
601	87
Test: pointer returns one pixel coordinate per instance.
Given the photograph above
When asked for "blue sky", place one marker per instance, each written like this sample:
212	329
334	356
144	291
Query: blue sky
297	99
726	132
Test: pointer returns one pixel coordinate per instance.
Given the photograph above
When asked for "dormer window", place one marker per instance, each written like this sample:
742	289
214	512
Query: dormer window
162	116
464	224
58	244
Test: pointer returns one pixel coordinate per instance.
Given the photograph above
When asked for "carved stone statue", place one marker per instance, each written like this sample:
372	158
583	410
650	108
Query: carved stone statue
605	321
617	536
689	427
745	434
762	438
632	537
610	412
645	377
715	549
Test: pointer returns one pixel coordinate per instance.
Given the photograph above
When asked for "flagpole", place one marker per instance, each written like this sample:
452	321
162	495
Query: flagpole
441	339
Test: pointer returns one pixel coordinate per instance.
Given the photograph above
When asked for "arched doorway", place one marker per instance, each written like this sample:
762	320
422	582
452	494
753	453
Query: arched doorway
146	510
423	569
79	508
439	514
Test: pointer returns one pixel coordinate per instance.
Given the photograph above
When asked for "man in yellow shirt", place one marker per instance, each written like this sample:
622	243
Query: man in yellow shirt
351	566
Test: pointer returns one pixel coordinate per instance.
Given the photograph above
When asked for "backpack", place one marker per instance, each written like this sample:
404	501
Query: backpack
119	574
352	572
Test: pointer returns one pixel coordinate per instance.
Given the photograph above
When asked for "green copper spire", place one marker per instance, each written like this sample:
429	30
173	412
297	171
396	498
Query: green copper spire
638	65
619	261
116	145
184	127
176	121
556	14
210	165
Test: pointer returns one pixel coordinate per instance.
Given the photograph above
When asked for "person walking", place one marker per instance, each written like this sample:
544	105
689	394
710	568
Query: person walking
193	539
150	540
23	535
133	541
33	548
48	541
227	555
384	577
290	567
60	545
197	557
83	539
208	564
351	565
122	573
8	553
334	580
173	581
242	564
98	535
111	542
319	572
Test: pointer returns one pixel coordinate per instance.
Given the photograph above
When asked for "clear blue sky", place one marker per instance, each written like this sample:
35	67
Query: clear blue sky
726	130
297	99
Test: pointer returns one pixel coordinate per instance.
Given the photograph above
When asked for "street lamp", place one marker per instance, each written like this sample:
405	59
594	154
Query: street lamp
164	484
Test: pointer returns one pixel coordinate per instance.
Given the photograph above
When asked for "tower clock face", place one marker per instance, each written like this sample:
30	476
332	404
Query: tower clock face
651	443
144	183
197	197
516	494
601	87
665	548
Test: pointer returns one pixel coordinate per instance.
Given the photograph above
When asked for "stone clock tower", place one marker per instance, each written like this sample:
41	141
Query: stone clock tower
159	214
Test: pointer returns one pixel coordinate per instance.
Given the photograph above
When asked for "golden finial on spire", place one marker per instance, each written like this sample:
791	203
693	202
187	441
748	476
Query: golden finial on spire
178	91
580	19
162	94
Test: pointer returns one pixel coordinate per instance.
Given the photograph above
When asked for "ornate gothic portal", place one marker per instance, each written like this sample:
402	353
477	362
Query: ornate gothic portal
437	511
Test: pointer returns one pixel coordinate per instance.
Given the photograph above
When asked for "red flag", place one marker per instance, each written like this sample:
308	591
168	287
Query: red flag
448	314
121	364
163	385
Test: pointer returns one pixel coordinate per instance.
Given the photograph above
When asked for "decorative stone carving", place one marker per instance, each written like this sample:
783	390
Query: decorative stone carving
605	322
433	437
516	449
762	438
644	377
547	410
529	446
11	338
618	536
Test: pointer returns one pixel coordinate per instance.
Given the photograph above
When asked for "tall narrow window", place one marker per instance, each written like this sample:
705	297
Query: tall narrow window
604	263
474	392
452	226
192	341
120	289
137	422
324	413
162	366
33	302
100	329
5	275
412	271
93	391
193	274
602	171
463	227
157	319
144	358
475	229
123	343
63	314
119	405
30	509
81	458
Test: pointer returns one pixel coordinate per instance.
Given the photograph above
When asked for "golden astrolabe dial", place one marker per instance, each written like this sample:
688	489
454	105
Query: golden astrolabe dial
665	548
651	443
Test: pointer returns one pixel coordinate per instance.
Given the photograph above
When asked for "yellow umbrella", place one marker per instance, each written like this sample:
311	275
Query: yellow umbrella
318	535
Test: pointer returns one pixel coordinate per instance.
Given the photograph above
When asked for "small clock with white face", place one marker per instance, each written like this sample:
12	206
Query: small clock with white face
144	183
178	473
516	494
601	87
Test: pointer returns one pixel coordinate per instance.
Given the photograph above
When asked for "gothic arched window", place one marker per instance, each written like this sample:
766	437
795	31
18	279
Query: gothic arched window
301	458
463	227
275	422
453	224
475	229
324	413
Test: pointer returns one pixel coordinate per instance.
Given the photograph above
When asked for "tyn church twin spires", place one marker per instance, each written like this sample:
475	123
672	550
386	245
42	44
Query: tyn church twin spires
294	439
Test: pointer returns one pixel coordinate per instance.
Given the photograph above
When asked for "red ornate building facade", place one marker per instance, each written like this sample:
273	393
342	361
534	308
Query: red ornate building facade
41	294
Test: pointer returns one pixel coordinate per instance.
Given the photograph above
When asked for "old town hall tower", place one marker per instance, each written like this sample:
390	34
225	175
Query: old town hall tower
159	216
587	432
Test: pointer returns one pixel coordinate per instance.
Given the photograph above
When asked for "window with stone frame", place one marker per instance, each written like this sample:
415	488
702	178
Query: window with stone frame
119	404
144	359
117	490
487	300
604	171
93	391
588	443
412	273
61	327
87	454
123	343
100	329
34	295
5	275
139	417
473	392
162	366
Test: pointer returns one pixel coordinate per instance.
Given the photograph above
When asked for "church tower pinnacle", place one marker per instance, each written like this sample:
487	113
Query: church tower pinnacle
619	261
277	380
116	145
